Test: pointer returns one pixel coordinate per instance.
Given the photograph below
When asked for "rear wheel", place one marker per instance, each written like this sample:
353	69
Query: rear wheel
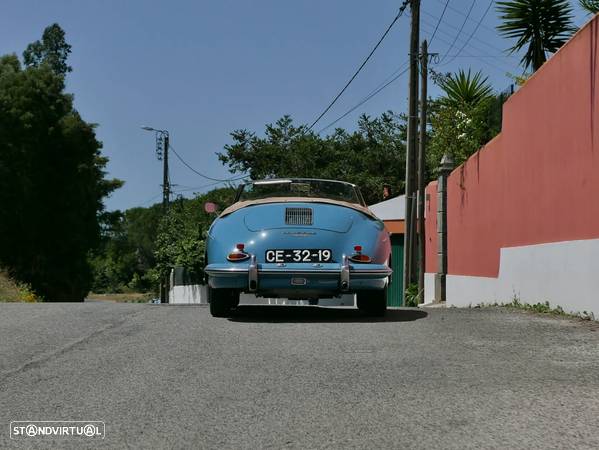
372	303
222	301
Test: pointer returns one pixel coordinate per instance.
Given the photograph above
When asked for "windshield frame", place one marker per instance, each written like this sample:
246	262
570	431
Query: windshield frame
356	191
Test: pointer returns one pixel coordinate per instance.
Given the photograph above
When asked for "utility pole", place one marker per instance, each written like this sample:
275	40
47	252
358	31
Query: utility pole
422	168
166	192
162	143
410	185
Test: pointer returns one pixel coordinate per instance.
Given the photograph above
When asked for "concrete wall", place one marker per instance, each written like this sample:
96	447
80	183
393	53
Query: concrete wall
535	183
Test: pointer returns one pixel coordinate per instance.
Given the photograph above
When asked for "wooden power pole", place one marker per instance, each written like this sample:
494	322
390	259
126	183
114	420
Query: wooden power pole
410	187
422	168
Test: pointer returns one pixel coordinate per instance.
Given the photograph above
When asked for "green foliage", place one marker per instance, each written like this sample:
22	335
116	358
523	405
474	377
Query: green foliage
411	295
591	6
14	291
465	89
181	239
540	26
520	80
545	308
52	50
140	246
372	156
462	129
126	253
52	183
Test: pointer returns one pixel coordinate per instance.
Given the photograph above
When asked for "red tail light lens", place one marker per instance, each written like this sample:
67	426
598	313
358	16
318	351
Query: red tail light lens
360	258
238	254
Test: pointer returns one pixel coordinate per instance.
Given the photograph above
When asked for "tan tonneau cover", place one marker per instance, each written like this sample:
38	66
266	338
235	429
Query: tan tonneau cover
237	206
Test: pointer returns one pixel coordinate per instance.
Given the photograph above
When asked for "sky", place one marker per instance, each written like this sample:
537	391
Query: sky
201	69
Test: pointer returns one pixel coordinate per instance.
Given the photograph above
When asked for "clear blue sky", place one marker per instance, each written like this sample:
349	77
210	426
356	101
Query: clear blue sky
204	68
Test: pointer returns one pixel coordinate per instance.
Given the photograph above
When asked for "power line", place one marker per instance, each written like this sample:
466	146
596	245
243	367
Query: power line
399	14
475	30
485	43
439	22
195	171
153	198
501	70
206	185
457	11
461	28
367	98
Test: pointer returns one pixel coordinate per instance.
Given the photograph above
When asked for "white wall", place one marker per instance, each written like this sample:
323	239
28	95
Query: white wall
565	274
194	294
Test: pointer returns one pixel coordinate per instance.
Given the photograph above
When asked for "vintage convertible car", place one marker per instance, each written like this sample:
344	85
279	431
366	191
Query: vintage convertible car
300	239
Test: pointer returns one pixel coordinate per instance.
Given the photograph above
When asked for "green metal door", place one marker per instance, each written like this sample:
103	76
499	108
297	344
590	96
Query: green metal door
394	293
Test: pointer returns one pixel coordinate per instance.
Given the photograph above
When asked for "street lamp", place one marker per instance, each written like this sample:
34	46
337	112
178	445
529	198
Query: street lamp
162	142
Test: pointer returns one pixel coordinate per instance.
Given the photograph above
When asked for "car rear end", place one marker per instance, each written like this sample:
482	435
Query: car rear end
298	250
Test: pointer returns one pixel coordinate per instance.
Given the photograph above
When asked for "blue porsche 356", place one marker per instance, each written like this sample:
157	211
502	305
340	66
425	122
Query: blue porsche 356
300	239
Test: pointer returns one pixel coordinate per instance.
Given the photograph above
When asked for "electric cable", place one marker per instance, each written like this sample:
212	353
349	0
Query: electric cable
399	14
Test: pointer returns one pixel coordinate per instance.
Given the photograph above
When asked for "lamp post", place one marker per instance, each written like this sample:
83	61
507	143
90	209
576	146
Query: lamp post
162	142
444	170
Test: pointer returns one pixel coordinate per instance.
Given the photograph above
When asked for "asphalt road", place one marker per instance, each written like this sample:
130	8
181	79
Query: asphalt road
272	377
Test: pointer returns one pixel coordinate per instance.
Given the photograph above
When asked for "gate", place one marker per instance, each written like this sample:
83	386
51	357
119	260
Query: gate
394	292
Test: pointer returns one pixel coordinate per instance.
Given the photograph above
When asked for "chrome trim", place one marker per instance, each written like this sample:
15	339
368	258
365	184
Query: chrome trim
253	274
242	270
352	259
227	270
298	216
245	257
384	273
344	276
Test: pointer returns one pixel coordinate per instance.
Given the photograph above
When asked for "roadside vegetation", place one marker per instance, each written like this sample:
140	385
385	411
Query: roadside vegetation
539	308
12	291
52	174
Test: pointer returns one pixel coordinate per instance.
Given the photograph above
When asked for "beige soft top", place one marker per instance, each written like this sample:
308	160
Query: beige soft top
237	206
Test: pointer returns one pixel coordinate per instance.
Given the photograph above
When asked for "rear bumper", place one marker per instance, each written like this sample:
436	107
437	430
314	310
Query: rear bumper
291	279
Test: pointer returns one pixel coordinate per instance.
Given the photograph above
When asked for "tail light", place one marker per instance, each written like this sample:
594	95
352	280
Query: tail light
358	256
238	254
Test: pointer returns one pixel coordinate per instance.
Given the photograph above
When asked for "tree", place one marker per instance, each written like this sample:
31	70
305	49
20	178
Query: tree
52	50
540	26
592	6
462	120
181	237
458	130
371	157
125	255
52	183
465	89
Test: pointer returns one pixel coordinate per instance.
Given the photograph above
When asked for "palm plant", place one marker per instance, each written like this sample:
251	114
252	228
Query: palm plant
542	26
465	89
592	6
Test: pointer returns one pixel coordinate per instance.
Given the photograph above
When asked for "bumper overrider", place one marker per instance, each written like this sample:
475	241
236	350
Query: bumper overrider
251	276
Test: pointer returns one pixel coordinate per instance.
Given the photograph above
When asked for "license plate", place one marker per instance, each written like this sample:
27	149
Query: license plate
298	255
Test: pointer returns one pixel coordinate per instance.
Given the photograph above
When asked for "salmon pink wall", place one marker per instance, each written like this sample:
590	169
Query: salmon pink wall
430	227
538	181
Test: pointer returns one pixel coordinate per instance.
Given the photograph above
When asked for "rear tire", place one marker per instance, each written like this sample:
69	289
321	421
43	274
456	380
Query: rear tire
222	301
372	303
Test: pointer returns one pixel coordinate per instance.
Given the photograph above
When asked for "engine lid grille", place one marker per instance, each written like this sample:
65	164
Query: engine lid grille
298	216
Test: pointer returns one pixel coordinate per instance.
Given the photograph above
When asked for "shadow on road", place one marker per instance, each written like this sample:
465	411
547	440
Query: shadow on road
261	313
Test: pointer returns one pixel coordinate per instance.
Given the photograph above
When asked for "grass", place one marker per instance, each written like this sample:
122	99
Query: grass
11	291
541	308
129	297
